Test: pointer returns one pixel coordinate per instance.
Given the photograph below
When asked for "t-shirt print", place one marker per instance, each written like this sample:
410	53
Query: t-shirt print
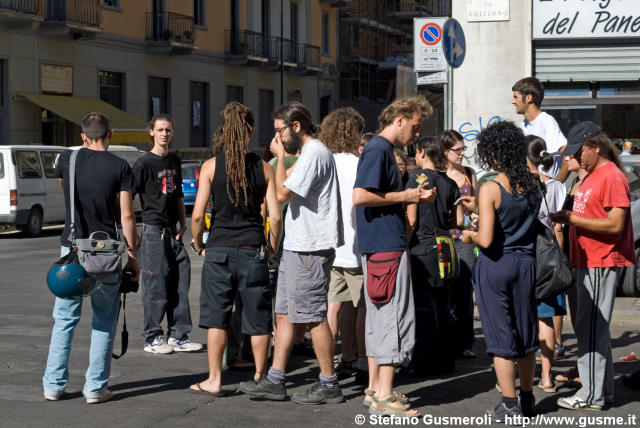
167	180
580	200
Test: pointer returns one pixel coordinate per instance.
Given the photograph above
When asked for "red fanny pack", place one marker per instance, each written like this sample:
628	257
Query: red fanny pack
382	269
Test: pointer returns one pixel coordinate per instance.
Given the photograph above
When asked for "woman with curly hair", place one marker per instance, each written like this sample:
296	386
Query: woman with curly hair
341	131
504	274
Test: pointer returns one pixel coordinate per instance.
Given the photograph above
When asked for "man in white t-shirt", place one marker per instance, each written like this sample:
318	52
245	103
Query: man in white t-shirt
341	131
314	230
528	94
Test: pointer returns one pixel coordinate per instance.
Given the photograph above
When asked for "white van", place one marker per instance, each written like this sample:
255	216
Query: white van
30	195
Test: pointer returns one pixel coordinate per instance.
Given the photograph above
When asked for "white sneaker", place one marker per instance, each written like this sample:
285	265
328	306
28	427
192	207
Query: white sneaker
574	403
158	346
108	395
184	345
52	397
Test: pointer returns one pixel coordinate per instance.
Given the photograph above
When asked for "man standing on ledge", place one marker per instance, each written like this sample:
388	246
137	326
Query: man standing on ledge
382	239
528	94
165	264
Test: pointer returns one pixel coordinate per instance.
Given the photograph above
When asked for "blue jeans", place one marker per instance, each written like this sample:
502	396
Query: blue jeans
105	303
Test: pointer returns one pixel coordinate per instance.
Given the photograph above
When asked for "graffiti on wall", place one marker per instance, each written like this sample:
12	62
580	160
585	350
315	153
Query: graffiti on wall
470	133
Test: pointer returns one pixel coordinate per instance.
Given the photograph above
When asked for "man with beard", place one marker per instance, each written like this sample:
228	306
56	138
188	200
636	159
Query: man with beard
314	230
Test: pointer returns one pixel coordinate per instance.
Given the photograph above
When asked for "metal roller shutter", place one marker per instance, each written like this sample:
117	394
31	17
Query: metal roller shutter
578	64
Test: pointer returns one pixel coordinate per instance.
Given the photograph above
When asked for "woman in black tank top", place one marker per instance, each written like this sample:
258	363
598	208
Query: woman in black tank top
504	274
237	252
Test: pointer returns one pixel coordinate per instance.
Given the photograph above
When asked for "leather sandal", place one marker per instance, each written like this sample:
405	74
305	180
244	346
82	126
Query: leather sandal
385	408
369	392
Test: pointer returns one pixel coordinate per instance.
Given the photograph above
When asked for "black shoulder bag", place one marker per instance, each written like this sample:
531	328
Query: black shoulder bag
553	270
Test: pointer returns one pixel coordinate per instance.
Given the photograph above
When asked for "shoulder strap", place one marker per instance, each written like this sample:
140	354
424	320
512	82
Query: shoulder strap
467	172
72	192
124	344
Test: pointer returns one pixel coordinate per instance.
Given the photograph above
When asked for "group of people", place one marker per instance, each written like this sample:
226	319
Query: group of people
359	258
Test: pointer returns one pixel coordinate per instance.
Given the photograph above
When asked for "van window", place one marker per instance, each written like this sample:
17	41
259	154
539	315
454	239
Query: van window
49	163
1	166
28	164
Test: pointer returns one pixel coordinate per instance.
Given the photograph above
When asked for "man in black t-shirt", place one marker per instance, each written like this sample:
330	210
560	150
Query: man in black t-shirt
166	268
100	179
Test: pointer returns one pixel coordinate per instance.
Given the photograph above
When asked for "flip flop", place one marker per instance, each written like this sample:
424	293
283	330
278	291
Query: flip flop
547	389
200	391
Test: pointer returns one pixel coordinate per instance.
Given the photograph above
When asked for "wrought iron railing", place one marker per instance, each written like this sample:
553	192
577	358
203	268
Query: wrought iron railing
82	12
171	27
246	42
272	48
27	7
309	56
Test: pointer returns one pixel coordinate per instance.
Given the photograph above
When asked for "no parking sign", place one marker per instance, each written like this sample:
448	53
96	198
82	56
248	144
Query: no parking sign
427	46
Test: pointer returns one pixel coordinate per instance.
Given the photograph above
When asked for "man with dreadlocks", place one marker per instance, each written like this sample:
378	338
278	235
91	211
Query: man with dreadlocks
314	230
236	252
164	261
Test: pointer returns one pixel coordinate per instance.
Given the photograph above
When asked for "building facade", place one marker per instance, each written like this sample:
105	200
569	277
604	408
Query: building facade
587	55
135	58
375	58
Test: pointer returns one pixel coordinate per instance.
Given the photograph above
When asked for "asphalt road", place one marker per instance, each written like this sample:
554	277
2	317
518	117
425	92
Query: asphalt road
150	390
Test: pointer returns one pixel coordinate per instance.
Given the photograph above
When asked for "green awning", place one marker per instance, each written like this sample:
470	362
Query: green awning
74	109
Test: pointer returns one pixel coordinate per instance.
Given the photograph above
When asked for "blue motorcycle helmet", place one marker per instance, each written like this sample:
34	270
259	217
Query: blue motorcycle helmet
68	280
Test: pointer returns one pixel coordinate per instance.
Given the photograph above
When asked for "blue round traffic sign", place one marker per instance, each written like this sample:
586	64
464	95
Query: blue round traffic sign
454	45
431	33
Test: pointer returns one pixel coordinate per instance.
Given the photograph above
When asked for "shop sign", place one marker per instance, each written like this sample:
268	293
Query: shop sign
56	79
579	19
487	10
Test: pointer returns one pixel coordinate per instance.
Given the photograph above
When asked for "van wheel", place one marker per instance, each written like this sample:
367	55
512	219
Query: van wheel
33	227
630	285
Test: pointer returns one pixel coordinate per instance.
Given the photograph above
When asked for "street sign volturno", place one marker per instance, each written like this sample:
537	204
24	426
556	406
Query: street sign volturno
453	43
427	44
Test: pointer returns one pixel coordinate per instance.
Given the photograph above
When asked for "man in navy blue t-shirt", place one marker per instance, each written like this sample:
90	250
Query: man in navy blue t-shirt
382	239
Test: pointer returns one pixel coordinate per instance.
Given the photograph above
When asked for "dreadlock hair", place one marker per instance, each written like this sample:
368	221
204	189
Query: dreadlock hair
502	146
432	147
233	140
607	149
341	130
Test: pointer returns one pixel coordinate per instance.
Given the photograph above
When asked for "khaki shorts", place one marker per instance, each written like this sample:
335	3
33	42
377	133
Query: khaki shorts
346	285
303	283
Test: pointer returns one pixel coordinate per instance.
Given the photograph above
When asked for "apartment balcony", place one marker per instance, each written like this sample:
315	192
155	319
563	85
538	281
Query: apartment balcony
309	59
336	3
404	10
247	47
15	14
170	33
79	18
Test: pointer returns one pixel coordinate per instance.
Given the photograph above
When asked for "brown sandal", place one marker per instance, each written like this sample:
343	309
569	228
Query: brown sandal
370	392
384	407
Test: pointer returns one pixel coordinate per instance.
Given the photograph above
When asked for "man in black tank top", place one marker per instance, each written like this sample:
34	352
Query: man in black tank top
165	263
236	252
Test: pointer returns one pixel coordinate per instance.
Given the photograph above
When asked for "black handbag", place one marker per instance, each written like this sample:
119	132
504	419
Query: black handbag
553	270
